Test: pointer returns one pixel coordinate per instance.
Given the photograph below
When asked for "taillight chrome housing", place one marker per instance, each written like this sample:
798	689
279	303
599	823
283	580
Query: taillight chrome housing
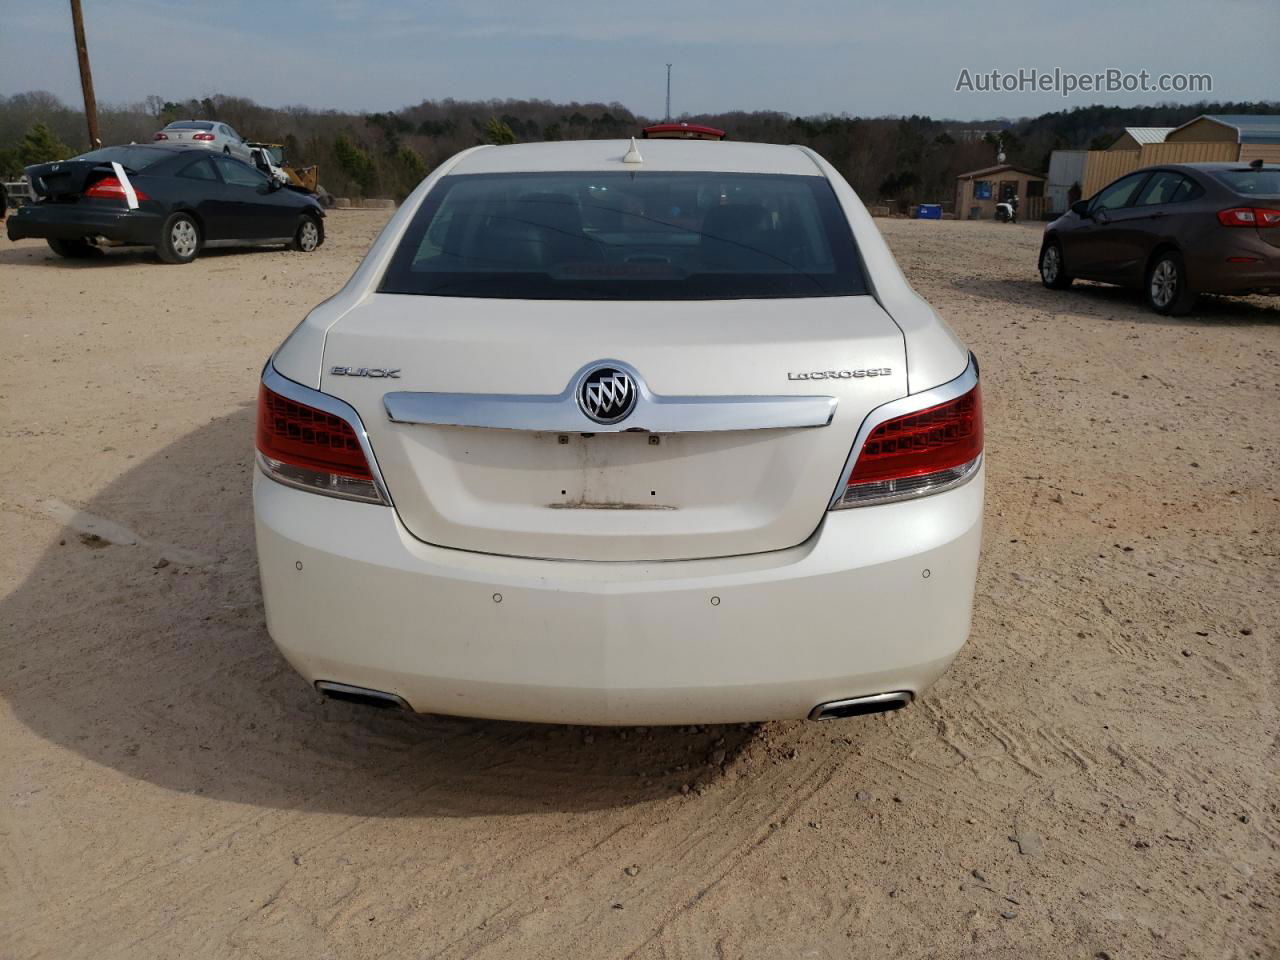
312	441
920	445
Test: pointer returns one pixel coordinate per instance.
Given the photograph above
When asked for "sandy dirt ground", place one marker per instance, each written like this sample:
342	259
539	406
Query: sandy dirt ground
1096	777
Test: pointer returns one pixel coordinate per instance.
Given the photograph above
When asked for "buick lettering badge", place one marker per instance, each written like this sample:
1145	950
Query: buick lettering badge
841	374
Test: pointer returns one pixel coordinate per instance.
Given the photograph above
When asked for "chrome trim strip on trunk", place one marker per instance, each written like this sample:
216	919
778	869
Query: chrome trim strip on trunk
561	413
911	403
276	382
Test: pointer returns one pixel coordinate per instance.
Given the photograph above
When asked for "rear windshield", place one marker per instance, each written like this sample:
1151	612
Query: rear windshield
627	236
191	125
131	158
1262	182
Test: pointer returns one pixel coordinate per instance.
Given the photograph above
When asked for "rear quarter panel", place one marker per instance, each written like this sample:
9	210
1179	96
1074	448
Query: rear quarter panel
301	356
935	355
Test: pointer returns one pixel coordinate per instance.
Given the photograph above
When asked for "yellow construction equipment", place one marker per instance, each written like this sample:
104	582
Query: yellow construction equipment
270	158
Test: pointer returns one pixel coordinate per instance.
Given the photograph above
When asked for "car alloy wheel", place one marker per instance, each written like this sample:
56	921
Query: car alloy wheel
184	238
1164	283
308	236
1050	264
1053	268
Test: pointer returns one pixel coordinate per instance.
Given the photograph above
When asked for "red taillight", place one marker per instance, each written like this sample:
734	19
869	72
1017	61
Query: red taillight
1260	217
161	136
294	433
306	447
110	188
918	453
203	136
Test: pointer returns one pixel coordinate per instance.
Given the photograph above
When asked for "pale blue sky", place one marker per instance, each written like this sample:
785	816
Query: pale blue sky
803	56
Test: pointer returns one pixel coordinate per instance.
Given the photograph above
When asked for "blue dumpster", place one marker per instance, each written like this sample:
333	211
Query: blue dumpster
929	211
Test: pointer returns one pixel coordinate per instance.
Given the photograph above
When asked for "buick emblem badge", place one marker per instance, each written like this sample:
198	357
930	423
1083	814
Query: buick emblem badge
607	395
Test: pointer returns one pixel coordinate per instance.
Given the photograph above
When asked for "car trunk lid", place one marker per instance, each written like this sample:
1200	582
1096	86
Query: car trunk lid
66	180
723	474
186	134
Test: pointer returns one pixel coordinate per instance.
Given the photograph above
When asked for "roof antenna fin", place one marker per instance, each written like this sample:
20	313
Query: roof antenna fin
633	154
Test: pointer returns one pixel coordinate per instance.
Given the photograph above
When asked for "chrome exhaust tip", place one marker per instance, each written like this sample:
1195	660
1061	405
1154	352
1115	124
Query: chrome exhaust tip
362	695
861	706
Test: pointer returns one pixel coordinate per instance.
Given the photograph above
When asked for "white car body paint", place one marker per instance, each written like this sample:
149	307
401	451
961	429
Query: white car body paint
613	577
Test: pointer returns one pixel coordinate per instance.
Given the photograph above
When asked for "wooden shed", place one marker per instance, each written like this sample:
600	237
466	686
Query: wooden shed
978	192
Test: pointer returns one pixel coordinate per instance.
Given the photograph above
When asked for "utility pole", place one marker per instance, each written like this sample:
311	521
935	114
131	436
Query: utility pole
86	78
668	93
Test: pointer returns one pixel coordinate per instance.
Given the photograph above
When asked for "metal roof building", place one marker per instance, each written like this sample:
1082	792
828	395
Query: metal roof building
1242	127
1066	178
1134	137
1209	138
1257	134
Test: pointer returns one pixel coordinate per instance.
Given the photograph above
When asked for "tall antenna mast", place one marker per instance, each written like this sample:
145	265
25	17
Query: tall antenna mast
668	93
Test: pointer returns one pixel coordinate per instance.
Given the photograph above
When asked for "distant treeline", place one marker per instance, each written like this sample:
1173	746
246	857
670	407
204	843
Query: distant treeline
898	160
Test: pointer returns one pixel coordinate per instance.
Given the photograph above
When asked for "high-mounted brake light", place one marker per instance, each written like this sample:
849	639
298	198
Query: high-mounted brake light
302	446
1260	217
203	136
110	188
682	131
918	453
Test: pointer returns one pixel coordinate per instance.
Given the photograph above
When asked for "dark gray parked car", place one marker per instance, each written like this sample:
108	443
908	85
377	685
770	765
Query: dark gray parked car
1173	231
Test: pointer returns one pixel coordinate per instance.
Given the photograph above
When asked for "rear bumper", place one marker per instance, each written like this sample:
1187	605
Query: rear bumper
1213	273
878	599
72	221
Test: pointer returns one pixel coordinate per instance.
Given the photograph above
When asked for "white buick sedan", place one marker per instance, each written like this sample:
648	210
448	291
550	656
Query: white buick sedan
608	434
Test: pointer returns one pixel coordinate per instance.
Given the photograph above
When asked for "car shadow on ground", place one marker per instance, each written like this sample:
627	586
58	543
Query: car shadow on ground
1119	303
152	658
40	255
